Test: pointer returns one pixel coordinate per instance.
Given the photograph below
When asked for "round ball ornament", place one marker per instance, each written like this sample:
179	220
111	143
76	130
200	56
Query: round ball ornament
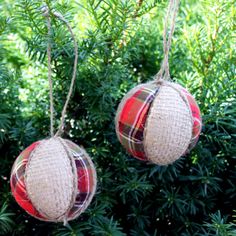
53	180
158	122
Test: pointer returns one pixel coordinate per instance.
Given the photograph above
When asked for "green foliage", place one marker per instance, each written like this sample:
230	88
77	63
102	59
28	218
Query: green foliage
219	227
4	126
6	221
120	45
3	24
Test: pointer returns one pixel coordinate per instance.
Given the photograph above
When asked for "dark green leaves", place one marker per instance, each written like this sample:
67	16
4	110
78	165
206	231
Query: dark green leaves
6	221
4	126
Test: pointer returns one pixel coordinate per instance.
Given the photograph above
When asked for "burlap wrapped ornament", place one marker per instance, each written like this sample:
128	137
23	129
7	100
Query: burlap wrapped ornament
158	122
53	180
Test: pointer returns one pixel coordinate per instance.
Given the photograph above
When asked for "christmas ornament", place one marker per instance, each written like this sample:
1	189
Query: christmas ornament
159	121
54	179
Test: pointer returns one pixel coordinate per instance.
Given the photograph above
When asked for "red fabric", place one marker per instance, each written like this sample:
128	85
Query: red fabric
85	185
197	120
133	118
17	182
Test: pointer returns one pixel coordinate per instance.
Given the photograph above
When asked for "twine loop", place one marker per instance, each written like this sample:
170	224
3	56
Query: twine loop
173	8
46	13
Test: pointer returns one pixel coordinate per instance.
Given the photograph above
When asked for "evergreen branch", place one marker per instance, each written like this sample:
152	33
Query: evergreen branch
6	223
218	226
30	12
3	24
107	227
4	126
140	2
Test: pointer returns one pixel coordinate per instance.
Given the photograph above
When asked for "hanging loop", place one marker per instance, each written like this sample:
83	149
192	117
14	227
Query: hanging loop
46	12
173	7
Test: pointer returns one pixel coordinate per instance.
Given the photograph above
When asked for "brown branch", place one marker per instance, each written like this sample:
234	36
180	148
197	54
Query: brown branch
140	2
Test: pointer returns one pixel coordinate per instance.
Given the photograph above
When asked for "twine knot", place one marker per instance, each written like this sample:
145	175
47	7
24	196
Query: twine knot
45	11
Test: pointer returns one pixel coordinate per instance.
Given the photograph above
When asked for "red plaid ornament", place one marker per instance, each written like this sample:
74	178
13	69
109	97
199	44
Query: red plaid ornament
54	179
135	108
85	175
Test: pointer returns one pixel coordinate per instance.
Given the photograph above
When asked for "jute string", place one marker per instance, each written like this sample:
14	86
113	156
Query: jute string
46	13
173	7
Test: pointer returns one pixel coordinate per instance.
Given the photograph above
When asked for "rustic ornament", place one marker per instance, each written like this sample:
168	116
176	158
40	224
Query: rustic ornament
159	121
54	179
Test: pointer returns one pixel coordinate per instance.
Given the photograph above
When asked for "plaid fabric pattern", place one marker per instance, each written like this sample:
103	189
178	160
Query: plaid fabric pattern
197	120
17	182
133	118
86	180
86	183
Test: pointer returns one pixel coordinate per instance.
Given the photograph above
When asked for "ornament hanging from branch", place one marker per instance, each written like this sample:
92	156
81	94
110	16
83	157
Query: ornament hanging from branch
159	121
54	179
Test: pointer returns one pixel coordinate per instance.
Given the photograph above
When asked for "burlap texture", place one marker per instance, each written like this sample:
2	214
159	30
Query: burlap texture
51	179
168	128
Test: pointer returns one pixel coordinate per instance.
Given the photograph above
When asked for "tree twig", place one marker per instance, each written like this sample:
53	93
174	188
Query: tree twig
140	2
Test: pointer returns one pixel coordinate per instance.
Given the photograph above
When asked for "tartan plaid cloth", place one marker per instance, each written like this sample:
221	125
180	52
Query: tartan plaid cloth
85	185
133	118
197	120
17	182
86	179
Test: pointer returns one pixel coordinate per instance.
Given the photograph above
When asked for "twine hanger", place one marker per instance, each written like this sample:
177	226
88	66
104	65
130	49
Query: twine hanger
46	12
173	7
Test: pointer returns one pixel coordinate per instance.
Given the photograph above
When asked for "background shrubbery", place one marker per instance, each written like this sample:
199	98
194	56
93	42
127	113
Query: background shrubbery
120	45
